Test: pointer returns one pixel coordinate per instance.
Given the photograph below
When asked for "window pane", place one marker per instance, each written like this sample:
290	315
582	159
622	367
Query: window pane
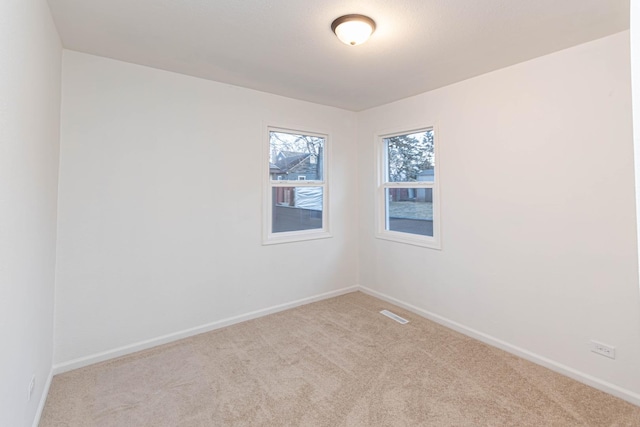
295	156
410	157
296	208
410	210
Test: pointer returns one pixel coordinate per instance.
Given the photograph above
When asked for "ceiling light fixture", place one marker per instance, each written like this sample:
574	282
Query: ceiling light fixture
353	29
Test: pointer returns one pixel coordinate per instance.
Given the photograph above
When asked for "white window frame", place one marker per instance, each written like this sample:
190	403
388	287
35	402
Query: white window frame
270	238
433	242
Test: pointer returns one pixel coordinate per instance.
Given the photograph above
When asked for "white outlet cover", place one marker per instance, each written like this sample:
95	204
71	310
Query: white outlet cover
32	385
603	349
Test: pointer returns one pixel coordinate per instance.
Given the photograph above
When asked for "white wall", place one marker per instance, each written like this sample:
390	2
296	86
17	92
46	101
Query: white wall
160	206
635	86
30	55
538	212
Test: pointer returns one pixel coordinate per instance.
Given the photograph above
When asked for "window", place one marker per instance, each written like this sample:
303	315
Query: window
296	190
407	196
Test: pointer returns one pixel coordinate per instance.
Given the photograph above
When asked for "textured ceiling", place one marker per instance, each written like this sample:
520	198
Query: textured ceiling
286	47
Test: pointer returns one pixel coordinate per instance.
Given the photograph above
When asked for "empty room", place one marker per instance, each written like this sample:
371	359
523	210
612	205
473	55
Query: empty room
331	213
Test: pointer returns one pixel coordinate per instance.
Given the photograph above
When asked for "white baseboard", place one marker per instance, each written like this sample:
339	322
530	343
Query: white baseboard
43	399
597	383
592	381
153	342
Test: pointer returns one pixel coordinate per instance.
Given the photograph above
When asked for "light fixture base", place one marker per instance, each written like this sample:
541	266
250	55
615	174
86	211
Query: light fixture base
353	29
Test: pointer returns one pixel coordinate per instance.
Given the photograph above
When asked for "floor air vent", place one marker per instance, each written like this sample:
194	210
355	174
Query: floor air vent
394	316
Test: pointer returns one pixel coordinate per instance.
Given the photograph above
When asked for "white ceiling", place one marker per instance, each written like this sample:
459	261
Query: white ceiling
286	47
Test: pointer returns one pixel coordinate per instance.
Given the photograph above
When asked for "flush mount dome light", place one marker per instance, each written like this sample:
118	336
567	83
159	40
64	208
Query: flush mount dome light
353	29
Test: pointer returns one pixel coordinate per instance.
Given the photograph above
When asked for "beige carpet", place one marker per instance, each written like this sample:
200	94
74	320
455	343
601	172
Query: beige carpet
333	363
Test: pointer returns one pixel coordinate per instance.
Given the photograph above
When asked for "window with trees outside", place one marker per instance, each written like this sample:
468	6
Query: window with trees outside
407	196
296	191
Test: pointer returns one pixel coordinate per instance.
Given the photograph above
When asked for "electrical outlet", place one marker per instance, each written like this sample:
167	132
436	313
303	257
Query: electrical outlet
603	349
32	385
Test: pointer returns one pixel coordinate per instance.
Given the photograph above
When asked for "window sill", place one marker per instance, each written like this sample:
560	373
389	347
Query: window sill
409	239
295	236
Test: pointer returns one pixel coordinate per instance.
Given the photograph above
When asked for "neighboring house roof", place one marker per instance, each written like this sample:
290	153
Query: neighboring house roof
275	169
287	161
291	153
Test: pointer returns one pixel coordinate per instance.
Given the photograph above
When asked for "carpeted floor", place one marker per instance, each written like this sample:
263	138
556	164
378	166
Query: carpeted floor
337	362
